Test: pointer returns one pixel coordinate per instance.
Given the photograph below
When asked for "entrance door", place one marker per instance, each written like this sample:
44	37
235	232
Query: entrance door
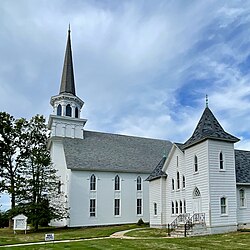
196	201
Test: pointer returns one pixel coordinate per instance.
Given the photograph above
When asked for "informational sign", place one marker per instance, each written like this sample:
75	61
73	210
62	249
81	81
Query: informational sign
20	222
49	237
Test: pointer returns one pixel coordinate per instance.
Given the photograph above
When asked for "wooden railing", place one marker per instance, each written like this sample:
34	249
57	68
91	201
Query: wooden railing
181	218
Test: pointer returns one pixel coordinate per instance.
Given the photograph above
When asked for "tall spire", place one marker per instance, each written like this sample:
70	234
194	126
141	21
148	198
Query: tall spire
67	82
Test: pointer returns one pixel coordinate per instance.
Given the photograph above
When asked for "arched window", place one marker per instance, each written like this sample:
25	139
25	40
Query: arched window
180	207
195	163
117	182
59	110
172	184
196	193
178	180
68	110
138	180
177	161
223	205
172	207
176	207
183	182
92	182
184	206
221	161
76	113
242	197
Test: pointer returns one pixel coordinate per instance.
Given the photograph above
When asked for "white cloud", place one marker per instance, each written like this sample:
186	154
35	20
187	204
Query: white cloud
141	67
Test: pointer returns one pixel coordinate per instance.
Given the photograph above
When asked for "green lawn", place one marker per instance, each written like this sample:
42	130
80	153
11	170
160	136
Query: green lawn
237	240
8	237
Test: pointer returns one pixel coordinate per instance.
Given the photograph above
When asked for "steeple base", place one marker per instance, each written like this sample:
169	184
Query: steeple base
64	126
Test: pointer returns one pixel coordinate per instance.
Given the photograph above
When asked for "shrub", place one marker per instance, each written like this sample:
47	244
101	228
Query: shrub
140	222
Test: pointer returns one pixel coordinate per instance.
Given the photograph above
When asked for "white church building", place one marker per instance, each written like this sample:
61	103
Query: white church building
116	179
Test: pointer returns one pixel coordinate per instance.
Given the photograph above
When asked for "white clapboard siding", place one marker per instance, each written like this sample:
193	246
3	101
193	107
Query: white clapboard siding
243	213
105	194
155	194
199	179
222	183
176	194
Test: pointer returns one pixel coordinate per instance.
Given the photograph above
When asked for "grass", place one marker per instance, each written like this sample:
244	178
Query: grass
237	240
8	237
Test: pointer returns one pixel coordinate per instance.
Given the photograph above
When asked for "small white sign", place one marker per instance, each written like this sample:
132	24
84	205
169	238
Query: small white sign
49	237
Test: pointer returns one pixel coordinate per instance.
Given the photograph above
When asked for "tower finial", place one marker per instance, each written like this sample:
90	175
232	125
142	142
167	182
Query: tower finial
206	101
69	29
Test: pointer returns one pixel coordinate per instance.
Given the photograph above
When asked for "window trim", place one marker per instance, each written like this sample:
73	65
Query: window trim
178	180
59	110
117	207
139	183
196	166
155	208
221	162
173	186
183	182
92	183
92	208
68	110
242	198
117	186
139	206
223	206
173	209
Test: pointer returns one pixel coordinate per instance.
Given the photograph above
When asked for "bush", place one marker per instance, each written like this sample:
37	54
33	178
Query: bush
140	222
4	219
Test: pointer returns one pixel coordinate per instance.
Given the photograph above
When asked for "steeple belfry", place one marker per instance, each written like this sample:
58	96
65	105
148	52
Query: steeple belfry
67	81
66	121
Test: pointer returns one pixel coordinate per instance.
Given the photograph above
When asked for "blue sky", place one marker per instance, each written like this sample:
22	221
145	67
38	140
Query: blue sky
142	67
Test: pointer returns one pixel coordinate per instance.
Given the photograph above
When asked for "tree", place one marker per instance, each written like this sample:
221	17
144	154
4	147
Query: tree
40	197
13	135
26	171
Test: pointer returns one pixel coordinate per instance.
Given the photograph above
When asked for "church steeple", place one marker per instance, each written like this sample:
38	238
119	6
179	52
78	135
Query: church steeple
65	120
67	81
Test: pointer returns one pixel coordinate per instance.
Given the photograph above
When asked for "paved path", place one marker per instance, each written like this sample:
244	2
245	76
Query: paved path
117	235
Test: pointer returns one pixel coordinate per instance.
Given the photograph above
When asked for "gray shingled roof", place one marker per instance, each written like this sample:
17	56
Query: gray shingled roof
67	82
242	166
157	172
111	152
209	128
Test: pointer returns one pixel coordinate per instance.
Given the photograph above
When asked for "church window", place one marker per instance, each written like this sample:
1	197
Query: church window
117	182
138	180
68	110
242	198
76	113
178	180
196	193
184	206
92	208
183	182
177	161
155	208
176	207
139	206
92	182
172	184
195	164
223	205
221	161
180	207
172	207
59	110
117	207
